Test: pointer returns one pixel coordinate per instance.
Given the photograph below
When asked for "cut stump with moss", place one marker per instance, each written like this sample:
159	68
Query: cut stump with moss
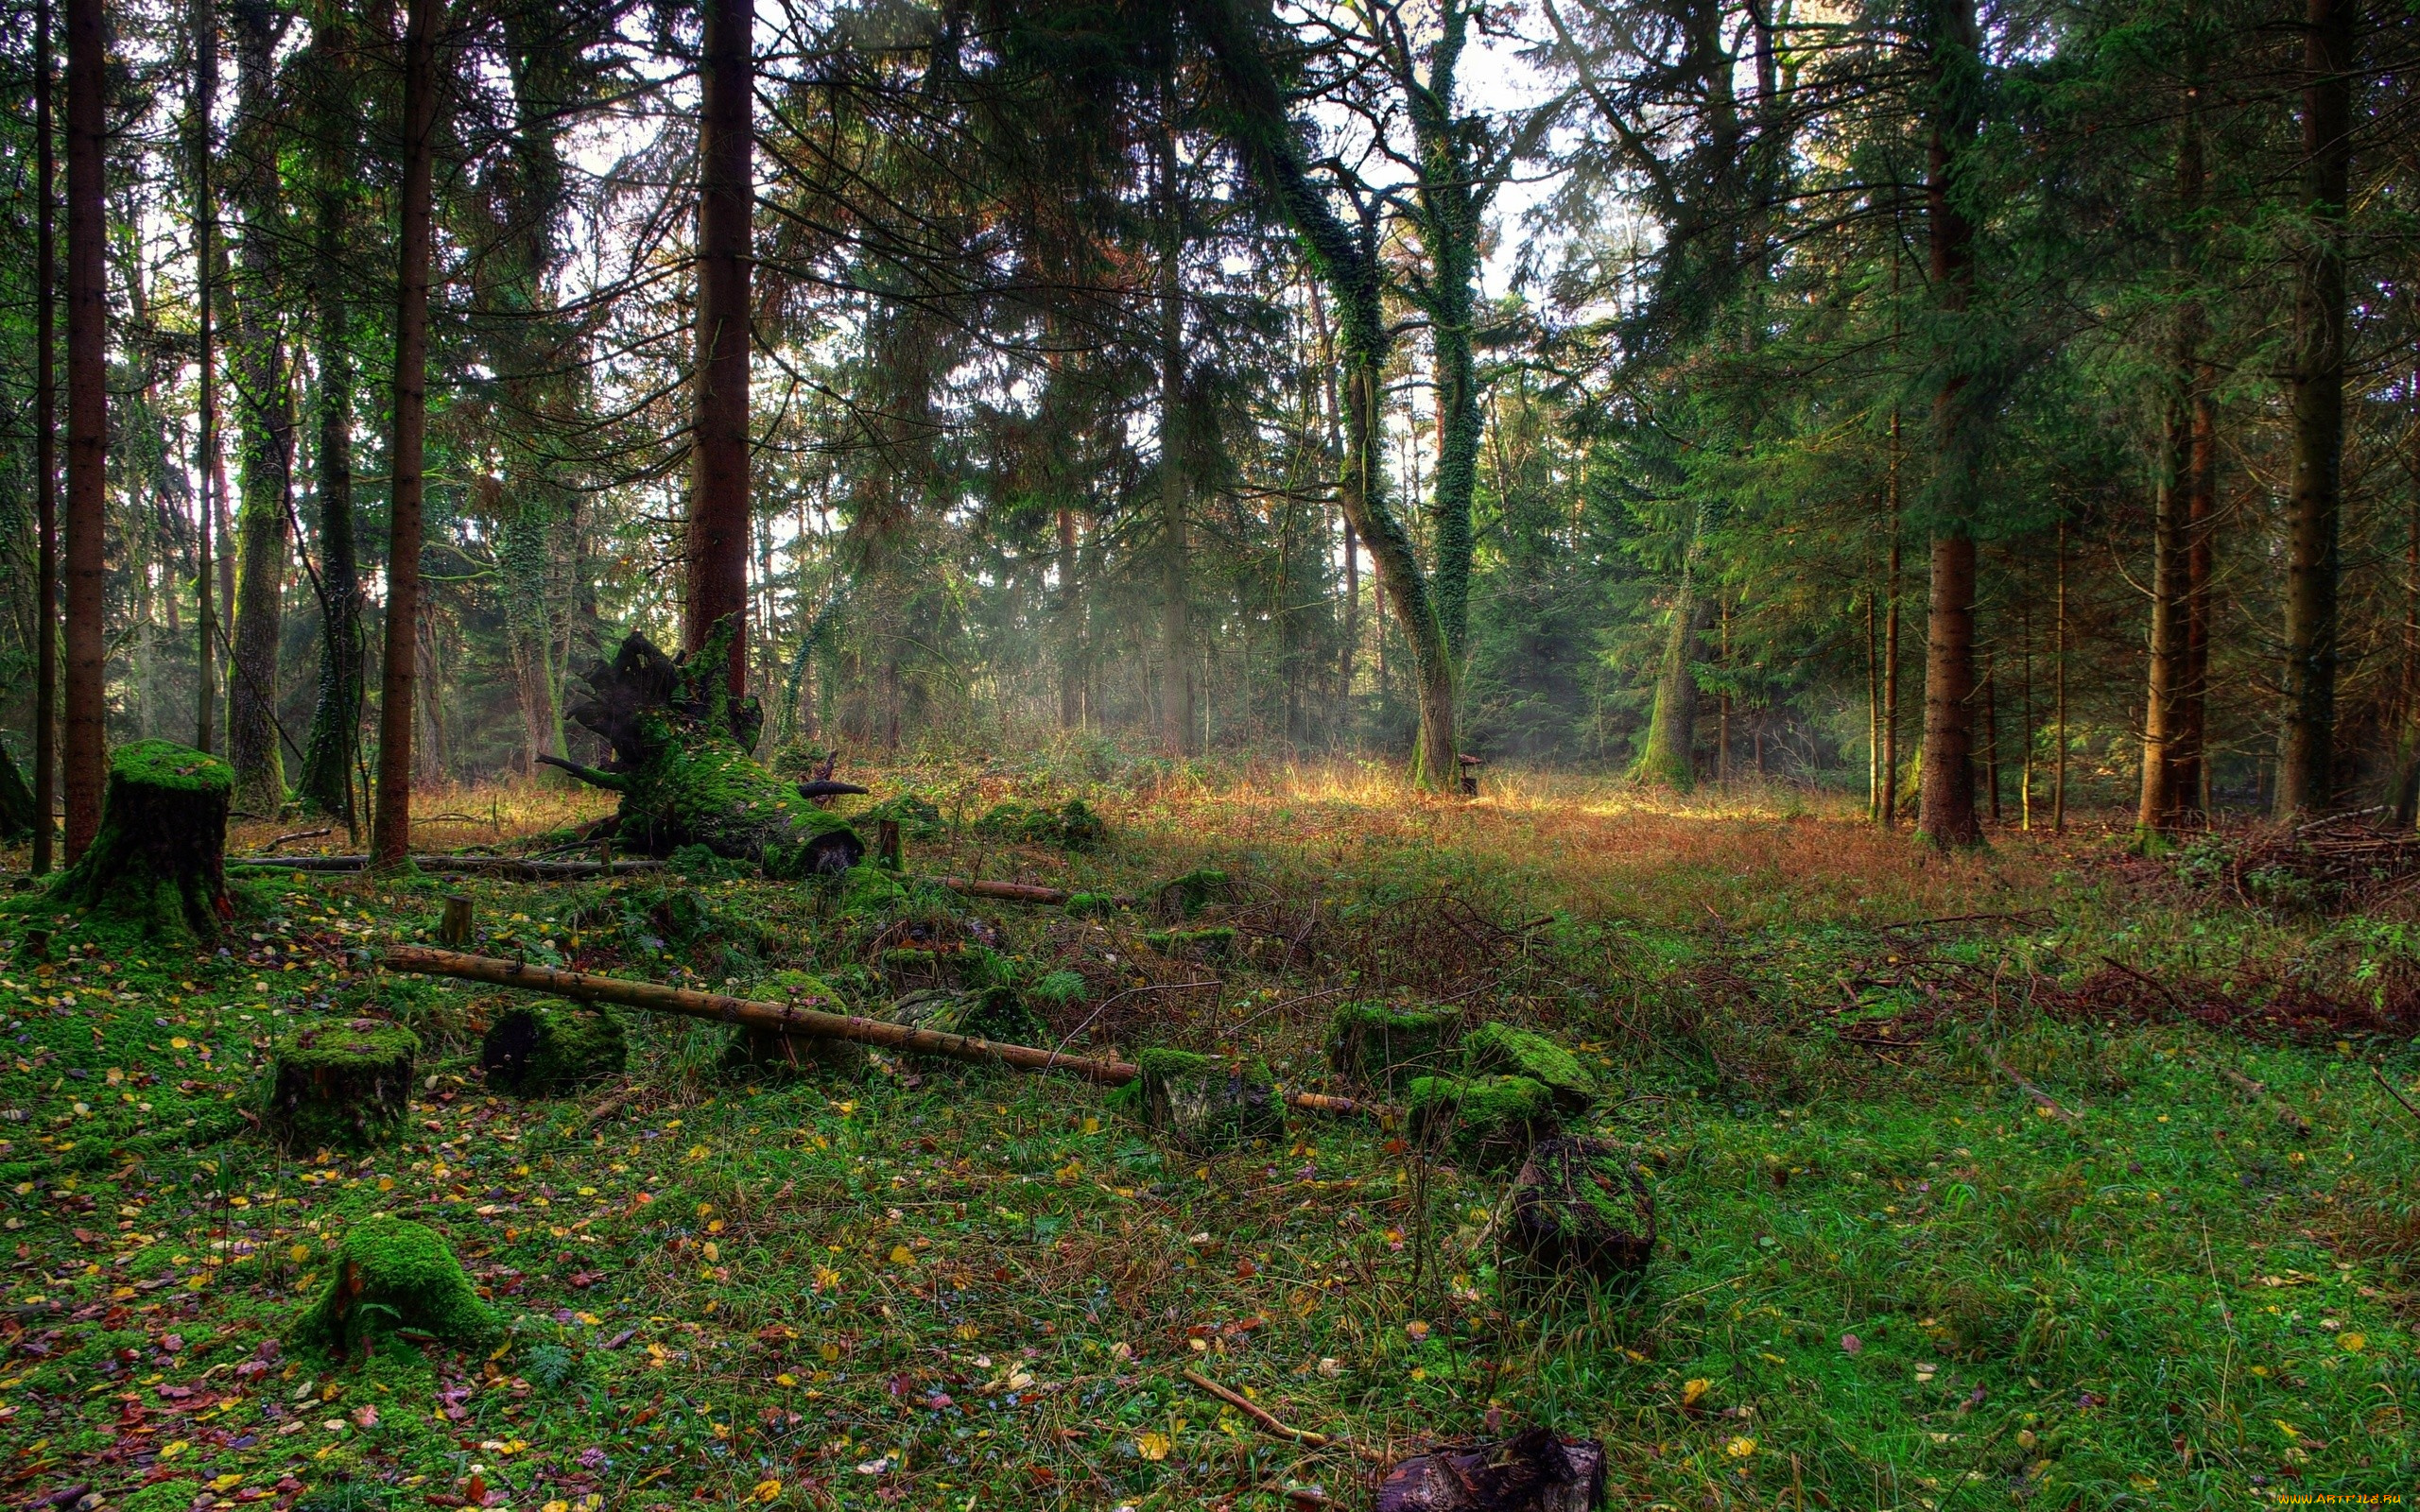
1500	1050
17	808
393	1275
1494	1119
1206	1103
158	862
1582	1205
1382	1046
543	1049
1193	944
1180	898
342	1086
995	1013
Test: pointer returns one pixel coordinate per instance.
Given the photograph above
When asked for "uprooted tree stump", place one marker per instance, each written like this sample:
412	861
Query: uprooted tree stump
537	1049
681	766
1204	1103
1582	1205
342	1086
1536	1471
394	1275
158	862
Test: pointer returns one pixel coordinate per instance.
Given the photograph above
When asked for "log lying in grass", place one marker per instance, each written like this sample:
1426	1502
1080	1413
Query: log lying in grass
1015	892
781	1017
488	866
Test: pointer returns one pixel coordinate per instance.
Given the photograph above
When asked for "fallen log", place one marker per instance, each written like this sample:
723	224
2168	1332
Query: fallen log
1015	892
781	1017
501	866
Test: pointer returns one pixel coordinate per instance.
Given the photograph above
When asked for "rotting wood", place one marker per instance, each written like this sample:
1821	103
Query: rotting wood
2041	1099
1257	1413
778	1018
1020	892
2258	1092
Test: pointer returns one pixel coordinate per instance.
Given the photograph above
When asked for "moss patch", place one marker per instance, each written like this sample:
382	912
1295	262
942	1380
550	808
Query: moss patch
995	1013
1181	897
1582	1204
1498	1049
1492	1118
1193	944
1091	905
340	1085
1383	1046
1072	826
543	1048
391	1273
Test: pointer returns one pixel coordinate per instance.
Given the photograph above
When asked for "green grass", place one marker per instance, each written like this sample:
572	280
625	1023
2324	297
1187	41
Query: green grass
929	1285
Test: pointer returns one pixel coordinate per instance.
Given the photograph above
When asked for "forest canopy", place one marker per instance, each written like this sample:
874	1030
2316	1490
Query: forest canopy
1990	406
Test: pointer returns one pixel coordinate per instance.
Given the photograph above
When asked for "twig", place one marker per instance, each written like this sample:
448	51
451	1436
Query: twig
2392	1092
2041	1098
1255	1412
2258	1092
302	835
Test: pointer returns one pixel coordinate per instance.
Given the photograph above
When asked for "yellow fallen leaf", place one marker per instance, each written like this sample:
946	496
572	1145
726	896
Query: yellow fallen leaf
2352	1343
1740	1448
1152	1446
901	1255
1693	1389
765	1492
786	1379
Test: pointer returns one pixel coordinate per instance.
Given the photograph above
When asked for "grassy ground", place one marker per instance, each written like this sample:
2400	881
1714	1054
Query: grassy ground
1968	1194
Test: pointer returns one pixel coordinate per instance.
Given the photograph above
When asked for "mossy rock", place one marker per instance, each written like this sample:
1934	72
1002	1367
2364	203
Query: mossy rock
340	1085
1180	898
1582	1204
917	819
1204	1103
770	1051
158	862
1383	1046
1498	1049
1193	944
545	1049
995	1013
1494	1119
1091	905
393	1274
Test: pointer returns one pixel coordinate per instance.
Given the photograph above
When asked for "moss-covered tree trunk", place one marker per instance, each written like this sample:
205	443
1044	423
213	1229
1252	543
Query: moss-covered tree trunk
159	860
681	766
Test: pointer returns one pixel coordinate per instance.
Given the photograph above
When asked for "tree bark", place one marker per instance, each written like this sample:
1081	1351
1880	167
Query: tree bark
205	256
335	720
391	839
1668	754
2306	762
45	796
2166	796
265	436
1945	812
1176	678
1890	649
87	713
2191	741
718	512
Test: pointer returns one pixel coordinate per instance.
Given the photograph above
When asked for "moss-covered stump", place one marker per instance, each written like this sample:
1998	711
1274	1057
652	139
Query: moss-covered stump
1072	826
340	1085
1205	1103
1538	1472
995	1013
158	862
1494	1119
1193	944
16	800
763	1051
545	1049
1500	1050
1583	1205
1382	1046
1180	898
683	768
392	1275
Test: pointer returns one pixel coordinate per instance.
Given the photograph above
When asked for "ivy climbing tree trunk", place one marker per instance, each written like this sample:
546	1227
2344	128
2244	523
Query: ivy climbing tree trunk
718	528
1346	260
1667	755
391	837
87	711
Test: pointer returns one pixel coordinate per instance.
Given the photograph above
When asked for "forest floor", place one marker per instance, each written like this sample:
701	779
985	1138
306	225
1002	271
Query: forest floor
2044	1177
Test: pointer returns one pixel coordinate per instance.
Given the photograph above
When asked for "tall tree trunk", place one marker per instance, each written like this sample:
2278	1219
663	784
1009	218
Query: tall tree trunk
1176	678
1667	754
1451	200
2307	757
391	837
2166	796
2191	739
45	464
2059	686
1071	628
336	719
87	713
1896	575
264	438
203	147
717	532
1945	812
1991	696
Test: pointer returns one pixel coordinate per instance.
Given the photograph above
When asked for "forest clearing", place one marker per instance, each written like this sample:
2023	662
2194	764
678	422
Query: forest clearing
1977	1178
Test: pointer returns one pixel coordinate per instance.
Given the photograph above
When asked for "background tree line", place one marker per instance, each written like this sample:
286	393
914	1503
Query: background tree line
2004	405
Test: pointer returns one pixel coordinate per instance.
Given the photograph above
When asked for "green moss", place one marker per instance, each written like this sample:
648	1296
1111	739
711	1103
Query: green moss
543	1048
157	865
165	764
917	819
866	888
1206	1103
341	1086
1193	944
159	1495
1583	1203
1072	826
995	1013
1498	1049
1091	905
1493	1118
1382	1045
393	1274
1181	897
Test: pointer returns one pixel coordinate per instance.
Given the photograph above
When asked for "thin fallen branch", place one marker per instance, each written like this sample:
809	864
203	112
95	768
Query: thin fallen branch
2258	1092
1257	1413
2041	1099
1018	892
782	1018
2396	1096
302	835
492	866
